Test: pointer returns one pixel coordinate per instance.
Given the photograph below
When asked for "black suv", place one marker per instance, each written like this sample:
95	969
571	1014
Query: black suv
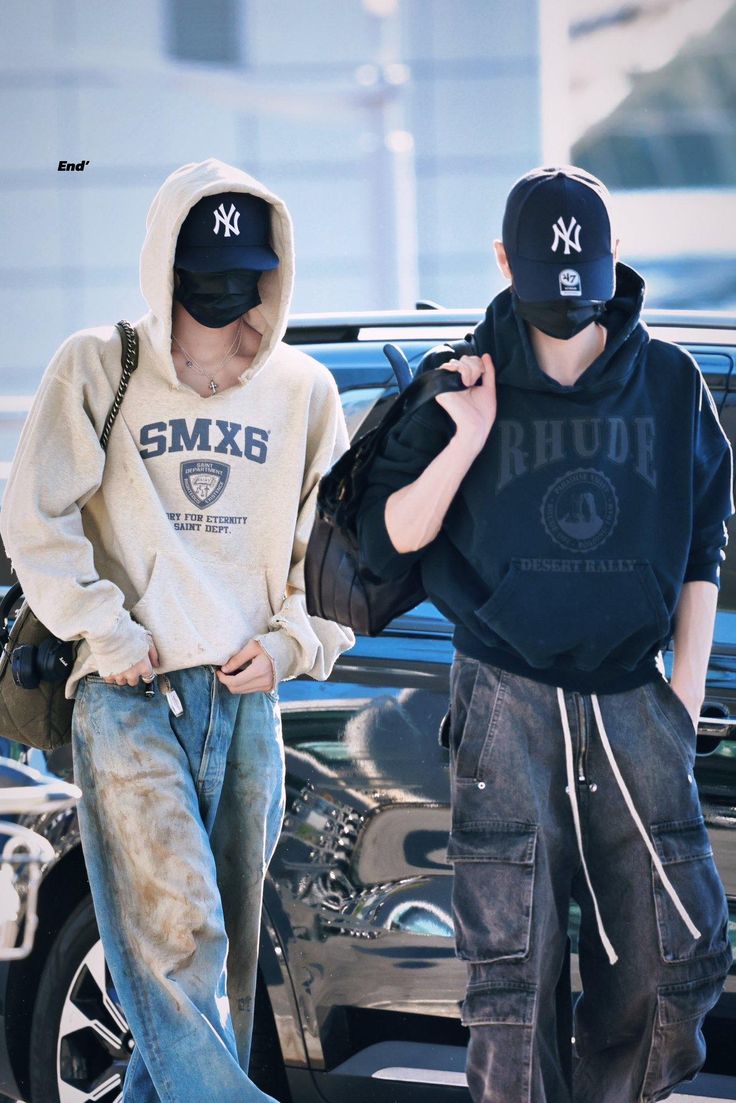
359	987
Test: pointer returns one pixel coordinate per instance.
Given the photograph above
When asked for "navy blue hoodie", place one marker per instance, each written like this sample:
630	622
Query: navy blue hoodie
565	549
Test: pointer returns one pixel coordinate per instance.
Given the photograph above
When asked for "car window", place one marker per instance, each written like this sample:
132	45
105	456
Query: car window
364	407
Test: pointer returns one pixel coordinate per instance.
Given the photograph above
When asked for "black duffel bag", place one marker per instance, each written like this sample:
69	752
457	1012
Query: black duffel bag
337	587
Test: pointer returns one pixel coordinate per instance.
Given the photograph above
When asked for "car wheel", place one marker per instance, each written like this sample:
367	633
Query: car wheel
80	1040
266	1068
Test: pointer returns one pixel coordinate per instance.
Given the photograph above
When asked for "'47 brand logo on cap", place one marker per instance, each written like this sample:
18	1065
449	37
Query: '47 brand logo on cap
570	282
203	481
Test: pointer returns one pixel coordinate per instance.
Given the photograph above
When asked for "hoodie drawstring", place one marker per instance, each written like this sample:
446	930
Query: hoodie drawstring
572	794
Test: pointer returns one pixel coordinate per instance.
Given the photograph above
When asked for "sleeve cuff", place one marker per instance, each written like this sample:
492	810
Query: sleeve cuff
704	572
124	647
377	553
283	651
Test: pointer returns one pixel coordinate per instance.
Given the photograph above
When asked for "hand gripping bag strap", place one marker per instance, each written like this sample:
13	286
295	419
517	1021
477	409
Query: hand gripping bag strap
42	717
339	491
425	387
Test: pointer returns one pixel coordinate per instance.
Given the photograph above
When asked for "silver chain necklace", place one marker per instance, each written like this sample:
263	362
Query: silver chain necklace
195	367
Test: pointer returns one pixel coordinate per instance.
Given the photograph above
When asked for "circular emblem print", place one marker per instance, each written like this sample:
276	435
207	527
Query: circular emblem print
580	509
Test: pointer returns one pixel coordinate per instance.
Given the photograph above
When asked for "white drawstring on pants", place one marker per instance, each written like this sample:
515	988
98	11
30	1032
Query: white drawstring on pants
572	794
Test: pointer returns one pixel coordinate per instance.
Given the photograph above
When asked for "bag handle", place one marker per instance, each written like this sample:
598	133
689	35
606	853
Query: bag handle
414	391
129	362
422	388
428	385
337	499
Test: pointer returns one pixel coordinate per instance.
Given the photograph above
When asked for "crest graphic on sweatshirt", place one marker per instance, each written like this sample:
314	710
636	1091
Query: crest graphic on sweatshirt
203	481
580	509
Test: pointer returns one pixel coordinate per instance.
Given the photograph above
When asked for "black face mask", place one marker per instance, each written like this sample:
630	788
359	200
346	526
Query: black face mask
215	299
562	320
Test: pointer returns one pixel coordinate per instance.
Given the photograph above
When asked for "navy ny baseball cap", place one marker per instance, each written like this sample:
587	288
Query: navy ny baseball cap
557	235
227	230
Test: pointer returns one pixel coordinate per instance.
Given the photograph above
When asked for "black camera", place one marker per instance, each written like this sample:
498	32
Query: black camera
51	661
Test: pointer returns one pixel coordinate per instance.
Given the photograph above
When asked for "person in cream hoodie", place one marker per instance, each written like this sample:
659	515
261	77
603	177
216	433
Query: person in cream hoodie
177	562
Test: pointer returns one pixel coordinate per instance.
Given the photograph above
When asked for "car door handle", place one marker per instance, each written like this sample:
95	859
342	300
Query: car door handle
715	716
714	725
716	721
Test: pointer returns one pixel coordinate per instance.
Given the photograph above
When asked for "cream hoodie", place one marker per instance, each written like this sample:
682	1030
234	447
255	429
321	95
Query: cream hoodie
199	517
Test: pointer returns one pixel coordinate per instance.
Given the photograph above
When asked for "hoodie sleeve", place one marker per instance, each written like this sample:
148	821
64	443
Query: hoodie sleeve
298	643
409	447
58	466
712	492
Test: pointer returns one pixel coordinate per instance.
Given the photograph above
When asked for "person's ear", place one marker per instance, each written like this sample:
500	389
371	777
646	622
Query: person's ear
501	259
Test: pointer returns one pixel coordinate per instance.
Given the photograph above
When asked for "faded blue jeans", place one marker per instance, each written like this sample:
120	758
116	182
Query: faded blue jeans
529	766
179	819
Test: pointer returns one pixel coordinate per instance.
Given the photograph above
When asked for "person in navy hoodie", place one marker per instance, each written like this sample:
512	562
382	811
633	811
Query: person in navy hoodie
568	509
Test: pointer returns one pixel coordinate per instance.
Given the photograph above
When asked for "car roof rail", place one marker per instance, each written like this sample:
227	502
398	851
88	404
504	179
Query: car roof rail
321	333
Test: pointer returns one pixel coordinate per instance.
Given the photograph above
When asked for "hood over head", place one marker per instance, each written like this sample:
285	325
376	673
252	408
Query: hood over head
503	333
177	195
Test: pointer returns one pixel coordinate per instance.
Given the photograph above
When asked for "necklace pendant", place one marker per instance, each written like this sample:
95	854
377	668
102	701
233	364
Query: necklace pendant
213	386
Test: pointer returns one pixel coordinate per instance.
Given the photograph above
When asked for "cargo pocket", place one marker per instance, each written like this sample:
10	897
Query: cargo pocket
499	1003
687	856
508	1009
677	1050
477	694
492	889
584	617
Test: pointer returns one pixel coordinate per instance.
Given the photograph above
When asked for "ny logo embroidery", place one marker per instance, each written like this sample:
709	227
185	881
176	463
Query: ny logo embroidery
225	218
568	235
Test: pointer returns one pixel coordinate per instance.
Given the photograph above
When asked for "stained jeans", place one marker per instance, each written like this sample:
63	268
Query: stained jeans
179	819
517	864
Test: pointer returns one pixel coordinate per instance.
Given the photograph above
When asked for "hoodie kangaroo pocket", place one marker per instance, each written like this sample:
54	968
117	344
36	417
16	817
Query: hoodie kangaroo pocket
583	616
194	619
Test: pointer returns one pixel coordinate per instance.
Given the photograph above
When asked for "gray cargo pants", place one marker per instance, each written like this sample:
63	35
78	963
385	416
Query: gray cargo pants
546	796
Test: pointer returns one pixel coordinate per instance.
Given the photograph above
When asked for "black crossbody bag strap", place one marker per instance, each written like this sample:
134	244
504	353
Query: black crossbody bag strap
129	362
